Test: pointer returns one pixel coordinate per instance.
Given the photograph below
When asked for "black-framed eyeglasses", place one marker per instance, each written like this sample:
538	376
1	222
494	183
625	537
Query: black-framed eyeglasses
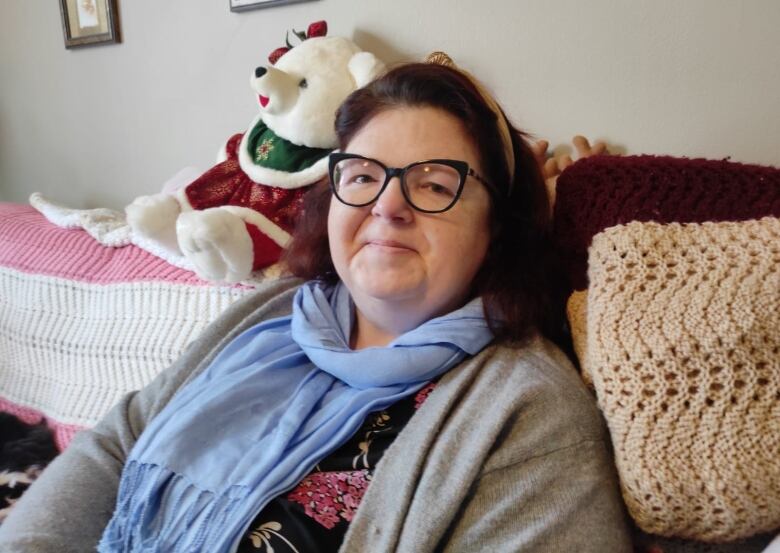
430	186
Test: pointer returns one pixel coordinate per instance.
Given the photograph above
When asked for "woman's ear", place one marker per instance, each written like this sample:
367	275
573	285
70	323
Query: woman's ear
365	67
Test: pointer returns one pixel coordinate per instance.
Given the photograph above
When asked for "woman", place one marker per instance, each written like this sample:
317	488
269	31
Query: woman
428	270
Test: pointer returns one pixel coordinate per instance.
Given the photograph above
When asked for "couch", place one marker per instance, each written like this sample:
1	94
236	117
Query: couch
674	312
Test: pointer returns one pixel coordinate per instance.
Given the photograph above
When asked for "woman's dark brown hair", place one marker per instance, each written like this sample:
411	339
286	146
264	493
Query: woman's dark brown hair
519	281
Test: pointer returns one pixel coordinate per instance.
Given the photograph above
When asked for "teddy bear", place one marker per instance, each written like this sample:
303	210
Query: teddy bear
237	216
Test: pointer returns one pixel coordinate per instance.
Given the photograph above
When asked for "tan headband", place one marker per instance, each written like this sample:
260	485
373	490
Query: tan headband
440	58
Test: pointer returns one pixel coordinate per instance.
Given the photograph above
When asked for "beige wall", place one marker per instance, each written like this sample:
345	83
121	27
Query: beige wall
101	125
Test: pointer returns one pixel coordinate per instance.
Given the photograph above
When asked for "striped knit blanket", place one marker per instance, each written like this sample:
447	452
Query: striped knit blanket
81	324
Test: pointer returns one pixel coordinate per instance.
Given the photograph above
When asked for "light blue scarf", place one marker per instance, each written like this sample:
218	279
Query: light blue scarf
274	402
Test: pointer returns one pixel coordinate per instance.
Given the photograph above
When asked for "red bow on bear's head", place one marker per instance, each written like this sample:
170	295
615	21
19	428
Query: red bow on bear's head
318	28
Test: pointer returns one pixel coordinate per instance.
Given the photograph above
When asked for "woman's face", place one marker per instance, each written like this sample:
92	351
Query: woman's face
394	258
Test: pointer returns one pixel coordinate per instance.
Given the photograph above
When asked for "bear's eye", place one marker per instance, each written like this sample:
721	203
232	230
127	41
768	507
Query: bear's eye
303	83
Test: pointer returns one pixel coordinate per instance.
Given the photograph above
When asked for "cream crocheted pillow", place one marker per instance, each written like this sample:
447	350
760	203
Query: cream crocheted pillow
682	342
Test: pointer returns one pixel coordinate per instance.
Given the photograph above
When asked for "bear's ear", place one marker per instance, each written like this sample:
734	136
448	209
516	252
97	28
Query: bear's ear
365	67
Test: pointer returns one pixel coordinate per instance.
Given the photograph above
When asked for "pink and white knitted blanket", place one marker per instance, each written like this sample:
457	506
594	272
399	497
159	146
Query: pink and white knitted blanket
81	324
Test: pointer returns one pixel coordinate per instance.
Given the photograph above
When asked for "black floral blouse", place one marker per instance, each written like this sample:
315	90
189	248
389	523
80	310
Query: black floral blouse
314	515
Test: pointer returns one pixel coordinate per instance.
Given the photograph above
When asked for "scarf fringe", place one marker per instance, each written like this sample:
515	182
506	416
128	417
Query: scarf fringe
275	401
194	517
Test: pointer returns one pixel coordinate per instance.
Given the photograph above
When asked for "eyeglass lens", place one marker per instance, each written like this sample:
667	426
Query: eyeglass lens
429	186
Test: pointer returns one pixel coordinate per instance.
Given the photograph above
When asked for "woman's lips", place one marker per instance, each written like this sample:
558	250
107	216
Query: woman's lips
389	245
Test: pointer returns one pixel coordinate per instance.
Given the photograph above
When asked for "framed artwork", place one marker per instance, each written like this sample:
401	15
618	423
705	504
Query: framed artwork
88	22
242	5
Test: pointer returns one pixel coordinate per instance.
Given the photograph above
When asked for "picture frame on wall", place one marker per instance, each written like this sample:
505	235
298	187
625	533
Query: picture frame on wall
243	5
89	22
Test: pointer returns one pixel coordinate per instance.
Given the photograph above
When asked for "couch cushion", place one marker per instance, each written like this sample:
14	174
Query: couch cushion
683	346
675	317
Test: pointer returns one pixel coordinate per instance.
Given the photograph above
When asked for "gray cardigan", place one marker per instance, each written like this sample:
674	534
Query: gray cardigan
509	453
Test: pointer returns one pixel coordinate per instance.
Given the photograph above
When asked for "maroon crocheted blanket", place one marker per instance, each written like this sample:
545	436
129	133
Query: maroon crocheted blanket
602	191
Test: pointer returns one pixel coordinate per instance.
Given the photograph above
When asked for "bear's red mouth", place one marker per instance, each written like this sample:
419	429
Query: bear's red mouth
263	100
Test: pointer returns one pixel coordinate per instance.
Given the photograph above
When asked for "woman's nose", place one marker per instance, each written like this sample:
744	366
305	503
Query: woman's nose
391	203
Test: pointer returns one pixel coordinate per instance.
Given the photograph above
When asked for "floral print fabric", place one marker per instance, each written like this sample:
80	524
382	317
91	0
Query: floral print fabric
329	497
314	515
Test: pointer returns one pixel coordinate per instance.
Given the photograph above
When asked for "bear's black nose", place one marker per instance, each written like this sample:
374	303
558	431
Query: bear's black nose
260	71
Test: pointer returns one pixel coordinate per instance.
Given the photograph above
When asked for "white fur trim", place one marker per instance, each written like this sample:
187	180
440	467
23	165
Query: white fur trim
181	197
124	236
274	177
217	243
155	247
107	226
154	218
266	226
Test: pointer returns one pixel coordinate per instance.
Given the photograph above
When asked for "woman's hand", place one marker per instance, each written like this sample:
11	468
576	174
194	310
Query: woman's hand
553	165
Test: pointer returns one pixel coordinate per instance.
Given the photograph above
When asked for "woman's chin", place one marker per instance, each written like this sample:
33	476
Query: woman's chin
388	257
388	286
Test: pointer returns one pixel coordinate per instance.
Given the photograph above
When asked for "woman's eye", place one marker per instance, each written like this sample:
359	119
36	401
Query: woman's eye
436	188
361	179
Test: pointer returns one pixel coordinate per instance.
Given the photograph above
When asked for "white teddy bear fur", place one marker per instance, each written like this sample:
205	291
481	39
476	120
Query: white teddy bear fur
301	94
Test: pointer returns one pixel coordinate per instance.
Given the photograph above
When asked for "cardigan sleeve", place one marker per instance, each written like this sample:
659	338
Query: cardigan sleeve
509	453
549	483
69	505
565	500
